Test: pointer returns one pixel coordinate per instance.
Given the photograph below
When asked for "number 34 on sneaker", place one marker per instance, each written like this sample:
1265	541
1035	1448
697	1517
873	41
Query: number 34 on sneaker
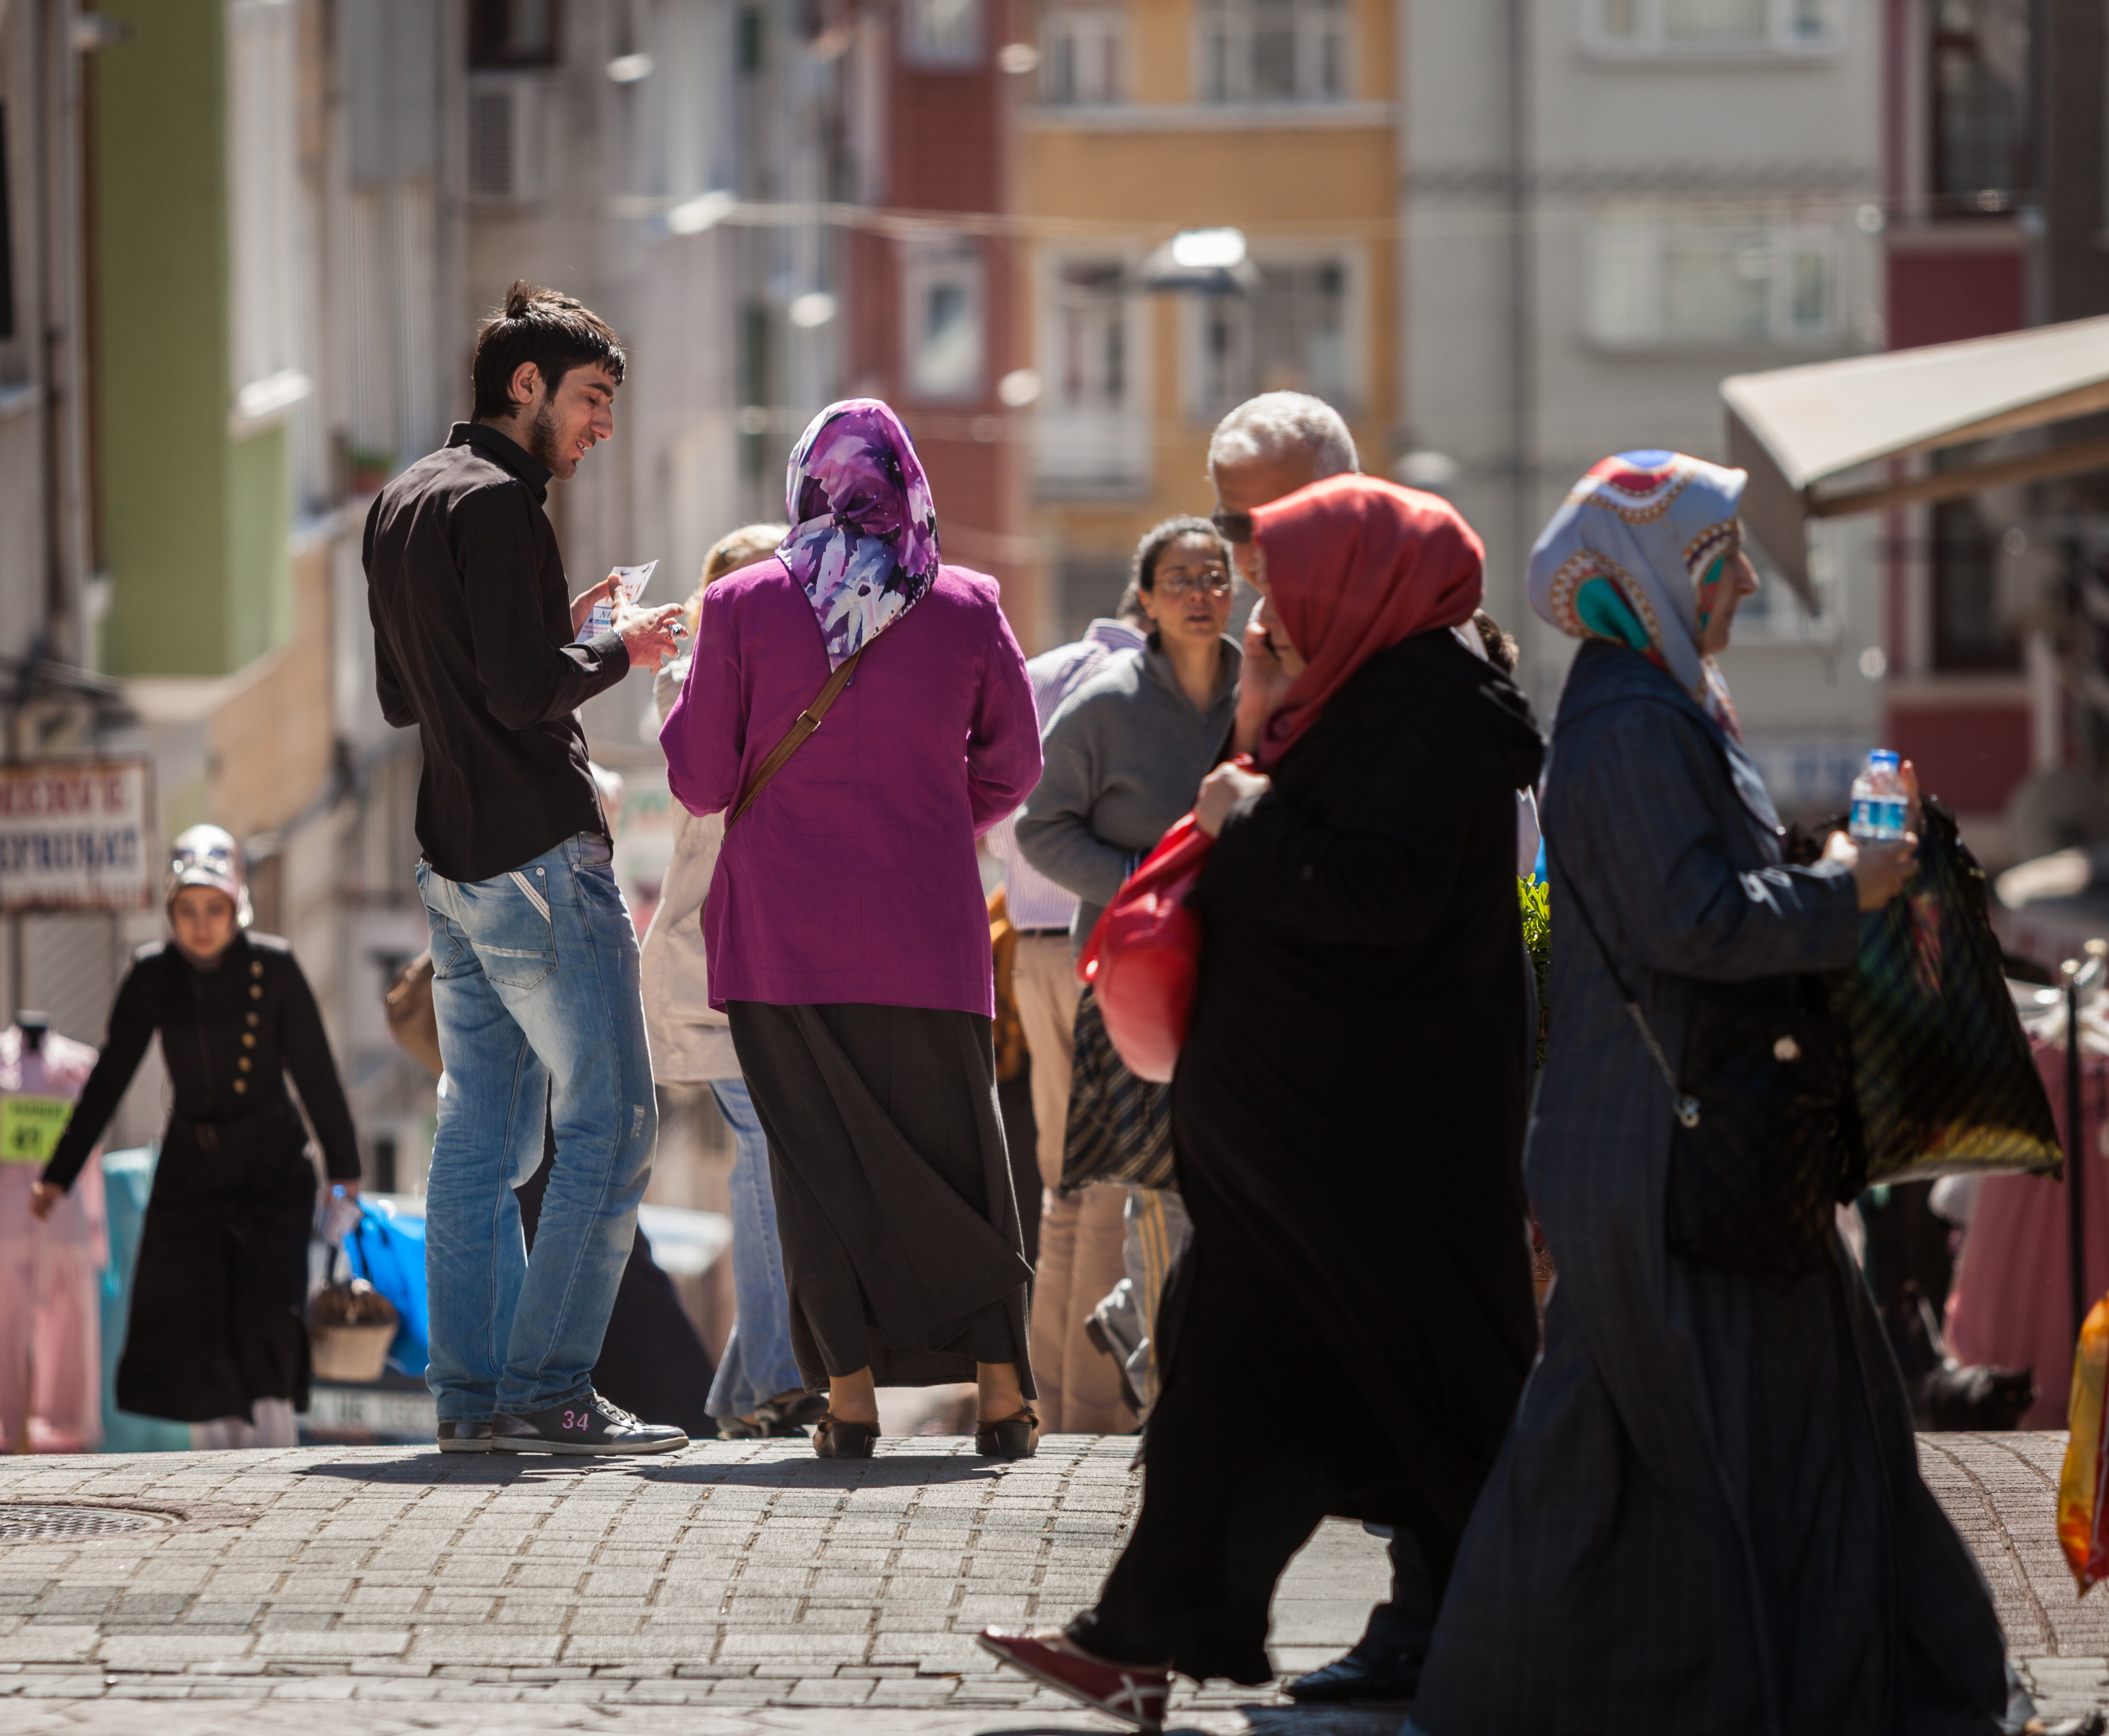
587	1424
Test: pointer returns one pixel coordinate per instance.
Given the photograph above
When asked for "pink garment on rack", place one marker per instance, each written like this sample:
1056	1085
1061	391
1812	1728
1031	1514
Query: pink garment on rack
2011	1303
51	1333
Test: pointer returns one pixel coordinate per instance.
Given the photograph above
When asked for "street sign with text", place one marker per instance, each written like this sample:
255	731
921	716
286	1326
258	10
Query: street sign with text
73	836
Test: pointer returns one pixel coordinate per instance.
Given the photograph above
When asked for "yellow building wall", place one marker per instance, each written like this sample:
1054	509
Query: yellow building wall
1283	184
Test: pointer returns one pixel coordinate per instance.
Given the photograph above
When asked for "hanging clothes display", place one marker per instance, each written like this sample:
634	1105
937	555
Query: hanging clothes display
2010	1304
50	1337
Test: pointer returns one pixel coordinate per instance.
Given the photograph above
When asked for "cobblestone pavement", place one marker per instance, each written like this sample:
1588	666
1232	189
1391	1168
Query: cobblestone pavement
737	1589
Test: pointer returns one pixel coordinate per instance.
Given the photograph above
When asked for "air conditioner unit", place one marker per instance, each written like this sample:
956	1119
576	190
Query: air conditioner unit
504	154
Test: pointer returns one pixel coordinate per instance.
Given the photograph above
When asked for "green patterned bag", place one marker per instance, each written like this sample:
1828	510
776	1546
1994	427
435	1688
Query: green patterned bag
1943	1072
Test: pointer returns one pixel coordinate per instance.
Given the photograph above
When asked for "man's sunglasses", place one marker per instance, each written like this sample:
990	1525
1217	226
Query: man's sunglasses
1233	527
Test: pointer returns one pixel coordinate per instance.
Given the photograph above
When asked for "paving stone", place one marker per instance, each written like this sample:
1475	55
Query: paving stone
339	1643
170	1652
734	1590
54	1643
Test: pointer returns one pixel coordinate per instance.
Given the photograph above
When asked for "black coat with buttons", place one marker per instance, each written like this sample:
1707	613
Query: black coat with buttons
221	1277
229	1036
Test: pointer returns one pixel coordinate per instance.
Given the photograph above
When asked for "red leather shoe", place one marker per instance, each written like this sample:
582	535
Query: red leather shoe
1118	1690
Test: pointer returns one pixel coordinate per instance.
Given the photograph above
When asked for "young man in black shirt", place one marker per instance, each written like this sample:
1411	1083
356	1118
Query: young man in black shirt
534	960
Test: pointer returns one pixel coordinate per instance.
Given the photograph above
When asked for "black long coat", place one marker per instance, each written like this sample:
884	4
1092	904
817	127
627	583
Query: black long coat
1349	1117
222	1276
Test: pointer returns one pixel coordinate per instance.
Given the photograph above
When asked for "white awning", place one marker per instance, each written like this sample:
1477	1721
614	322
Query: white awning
1797	429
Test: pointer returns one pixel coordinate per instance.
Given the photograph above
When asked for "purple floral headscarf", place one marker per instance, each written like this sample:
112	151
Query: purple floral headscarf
863	534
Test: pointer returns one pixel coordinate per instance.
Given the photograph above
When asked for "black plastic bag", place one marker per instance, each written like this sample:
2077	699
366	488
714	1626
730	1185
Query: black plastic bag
1944	1078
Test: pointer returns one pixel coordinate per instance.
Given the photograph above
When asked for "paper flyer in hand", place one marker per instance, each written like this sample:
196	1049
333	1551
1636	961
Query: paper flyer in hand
629	583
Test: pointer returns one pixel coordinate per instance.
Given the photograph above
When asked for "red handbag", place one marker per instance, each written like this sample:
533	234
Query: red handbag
1145	953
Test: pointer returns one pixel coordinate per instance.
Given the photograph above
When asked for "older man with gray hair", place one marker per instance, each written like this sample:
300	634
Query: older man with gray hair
1270	446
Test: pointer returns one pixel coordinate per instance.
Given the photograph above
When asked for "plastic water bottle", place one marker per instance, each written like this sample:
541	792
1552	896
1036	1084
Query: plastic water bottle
1880	803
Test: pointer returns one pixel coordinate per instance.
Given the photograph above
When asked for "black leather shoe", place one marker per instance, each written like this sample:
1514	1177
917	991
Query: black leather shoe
588	1425
1357	1680
832	1438
1012	1438
465	1437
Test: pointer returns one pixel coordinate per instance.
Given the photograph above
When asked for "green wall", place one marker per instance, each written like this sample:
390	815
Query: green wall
194	522
259	590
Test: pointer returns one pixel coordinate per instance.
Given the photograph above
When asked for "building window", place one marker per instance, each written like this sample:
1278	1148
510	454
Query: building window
1969	629
265	225
943	33
943	301
1710	26
1081	48
1089	311
1979	90
1092	431
503	33
1291	334
1662	280
1271	51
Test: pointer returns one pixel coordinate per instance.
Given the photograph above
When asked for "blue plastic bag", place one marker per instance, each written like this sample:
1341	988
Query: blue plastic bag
388	1253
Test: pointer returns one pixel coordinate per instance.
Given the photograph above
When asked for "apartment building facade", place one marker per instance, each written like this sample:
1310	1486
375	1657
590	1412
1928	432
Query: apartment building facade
1609	206
287	218
1275	120
1996	216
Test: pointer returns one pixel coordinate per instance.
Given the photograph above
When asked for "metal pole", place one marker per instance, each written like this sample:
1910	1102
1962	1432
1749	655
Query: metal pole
1521	193
2078	977
2075	1223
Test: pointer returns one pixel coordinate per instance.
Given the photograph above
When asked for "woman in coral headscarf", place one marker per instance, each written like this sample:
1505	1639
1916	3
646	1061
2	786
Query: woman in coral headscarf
846	934
1348	1110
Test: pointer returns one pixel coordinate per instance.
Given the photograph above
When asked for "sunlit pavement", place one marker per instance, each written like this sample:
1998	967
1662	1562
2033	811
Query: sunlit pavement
734	1588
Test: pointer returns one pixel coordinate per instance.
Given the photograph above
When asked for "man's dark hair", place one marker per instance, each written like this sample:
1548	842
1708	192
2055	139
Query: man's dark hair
1501	644
555	332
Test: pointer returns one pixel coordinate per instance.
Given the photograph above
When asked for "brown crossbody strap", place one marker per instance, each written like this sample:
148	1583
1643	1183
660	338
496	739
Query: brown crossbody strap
808	722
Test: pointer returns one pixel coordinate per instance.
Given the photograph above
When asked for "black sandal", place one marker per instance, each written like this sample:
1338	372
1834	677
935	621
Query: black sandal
834	1438
1012	1438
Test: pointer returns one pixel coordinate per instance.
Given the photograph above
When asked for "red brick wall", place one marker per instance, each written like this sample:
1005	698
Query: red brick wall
1941	298
1970	756
948	149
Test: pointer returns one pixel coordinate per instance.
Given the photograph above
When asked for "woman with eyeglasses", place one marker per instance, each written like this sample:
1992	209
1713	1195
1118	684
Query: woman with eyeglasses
1124	756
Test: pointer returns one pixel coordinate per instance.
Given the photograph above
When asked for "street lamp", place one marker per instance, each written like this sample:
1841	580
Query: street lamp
1210	262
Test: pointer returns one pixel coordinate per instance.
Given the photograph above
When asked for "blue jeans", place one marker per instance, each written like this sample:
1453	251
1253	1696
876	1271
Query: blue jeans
534	985
757	1363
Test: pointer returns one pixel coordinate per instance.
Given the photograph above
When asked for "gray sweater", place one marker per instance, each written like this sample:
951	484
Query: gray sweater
1125	757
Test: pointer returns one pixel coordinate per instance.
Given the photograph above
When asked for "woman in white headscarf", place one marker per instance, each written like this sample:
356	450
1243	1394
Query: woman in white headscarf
215	1337
1708	1515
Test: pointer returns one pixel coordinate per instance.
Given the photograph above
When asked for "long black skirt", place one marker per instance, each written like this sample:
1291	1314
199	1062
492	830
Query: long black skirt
216	1302
1386	1272
902	1248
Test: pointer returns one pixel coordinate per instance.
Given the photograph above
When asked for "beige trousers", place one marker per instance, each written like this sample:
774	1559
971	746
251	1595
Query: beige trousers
1081	1236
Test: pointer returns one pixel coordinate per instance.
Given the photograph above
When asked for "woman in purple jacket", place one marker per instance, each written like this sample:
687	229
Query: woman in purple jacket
845	929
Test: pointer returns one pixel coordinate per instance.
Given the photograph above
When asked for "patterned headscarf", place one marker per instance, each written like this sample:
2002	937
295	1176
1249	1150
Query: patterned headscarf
1638	556
863	545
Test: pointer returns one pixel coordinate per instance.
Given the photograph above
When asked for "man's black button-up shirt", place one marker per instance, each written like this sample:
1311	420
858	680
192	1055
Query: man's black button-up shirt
472	643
